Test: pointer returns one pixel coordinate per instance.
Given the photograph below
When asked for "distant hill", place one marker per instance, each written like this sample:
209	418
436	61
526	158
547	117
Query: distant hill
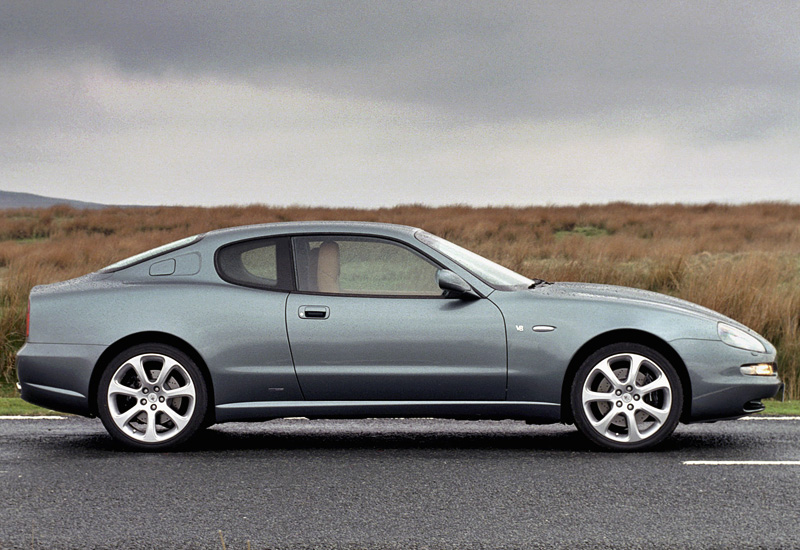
9	199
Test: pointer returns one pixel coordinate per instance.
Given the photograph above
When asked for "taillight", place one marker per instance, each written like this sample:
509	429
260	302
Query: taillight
28	321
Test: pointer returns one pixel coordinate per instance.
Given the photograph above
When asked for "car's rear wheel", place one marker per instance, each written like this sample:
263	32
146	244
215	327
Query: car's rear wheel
152	397
626	397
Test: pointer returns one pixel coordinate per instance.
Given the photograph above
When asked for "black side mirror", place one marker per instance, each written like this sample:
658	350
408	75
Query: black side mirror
454	285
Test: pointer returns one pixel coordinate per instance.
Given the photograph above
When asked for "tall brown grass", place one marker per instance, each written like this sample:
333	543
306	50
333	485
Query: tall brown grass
743	261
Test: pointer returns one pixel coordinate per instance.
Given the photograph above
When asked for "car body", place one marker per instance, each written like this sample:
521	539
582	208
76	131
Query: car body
356	320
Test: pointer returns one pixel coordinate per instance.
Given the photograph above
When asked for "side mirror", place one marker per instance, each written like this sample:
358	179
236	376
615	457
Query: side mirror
453	284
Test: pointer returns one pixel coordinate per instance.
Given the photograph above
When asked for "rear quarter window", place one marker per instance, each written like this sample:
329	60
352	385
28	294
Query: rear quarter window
259	263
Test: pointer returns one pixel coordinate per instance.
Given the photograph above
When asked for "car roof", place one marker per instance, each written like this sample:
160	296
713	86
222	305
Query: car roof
306	227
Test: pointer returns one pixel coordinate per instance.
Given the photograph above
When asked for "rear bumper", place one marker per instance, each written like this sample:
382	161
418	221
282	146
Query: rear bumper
58	376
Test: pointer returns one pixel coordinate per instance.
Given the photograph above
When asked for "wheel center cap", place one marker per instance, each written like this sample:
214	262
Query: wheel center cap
153	398
627	398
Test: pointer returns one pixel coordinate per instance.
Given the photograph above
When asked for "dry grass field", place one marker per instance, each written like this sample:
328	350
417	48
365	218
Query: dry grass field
743	261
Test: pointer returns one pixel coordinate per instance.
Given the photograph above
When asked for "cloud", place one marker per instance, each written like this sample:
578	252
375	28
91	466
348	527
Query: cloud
511	59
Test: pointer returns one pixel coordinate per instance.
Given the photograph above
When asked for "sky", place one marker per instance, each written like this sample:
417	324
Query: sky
375	104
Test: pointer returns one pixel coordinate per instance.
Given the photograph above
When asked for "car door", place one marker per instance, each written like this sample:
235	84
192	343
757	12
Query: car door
369	323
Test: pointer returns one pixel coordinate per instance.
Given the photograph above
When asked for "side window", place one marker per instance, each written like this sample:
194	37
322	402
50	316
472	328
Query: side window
261	263
362	265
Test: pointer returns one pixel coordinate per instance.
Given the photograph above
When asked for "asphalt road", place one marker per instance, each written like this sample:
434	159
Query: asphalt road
400	484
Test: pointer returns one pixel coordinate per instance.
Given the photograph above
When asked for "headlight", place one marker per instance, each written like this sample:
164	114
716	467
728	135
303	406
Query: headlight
738	338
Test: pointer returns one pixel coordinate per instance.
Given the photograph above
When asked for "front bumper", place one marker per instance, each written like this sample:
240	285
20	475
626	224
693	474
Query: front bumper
719	389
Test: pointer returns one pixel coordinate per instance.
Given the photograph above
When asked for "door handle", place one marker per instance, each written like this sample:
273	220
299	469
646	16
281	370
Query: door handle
314	312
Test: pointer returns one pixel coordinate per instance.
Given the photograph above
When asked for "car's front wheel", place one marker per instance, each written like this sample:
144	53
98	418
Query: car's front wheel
152	397
626	397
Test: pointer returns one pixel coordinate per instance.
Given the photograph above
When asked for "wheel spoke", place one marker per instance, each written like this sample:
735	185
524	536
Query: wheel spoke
633	428
602	424
165	371
660	383
186	390
121	419
605	369
179	420
633	369
138	366
593	396
150	434
660	415
116	388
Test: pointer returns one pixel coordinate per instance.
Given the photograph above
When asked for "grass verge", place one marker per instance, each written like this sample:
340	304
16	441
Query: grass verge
14	406
781	407
8	390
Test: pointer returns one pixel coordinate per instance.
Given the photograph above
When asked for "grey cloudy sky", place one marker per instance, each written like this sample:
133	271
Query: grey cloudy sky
379	103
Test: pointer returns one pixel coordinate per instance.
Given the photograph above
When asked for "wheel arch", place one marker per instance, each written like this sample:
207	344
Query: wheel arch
615	337
149	338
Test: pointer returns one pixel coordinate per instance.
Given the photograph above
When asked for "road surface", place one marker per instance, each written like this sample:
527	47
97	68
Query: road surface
399	484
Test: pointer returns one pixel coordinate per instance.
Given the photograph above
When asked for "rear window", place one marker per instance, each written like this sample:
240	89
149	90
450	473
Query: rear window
150	254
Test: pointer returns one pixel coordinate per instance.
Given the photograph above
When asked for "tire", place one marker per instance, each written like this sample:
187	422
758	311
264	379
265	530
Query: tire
152	397
626	397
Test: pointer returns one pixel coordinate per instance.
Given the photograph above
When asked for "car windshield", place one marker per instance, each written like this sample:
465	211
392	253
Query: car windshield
163	249
493	274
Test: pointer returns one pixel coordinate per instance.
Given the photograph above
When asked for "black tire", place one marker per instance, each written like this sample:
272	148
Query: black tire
160	412
626	414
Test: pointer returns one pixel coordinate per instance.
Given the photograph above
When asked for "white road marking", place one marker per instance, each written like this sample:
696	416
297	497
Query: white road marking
771	418
21	417
741	462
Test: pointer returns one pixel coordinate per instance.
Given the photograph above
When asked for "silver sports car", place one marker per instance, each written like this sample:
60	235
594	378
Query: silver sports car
355	320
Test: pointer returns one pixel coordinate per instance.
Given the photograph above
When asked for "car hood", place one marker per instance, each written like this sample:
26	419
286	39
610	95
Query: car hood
644	298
